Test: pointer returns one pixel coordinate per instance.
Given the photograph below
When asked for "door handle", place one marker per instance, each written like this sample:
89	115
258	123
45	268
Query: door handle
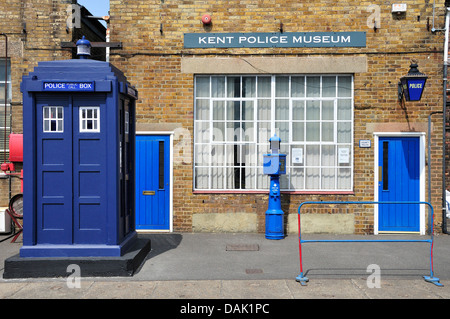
148	193
380	174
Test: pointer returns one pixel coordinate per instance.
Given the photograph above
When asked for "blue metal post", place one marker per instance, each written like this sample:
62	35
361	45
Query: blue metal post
274	214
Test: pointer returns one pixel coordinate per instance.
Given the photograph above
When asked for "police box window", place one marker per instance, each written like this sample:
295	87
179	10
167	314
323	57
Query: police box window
89	119
53	119
236	115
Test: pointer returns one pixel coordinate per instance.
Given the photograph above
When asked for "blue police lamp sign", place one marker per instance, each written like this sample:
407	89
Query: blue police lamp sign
411	85
69	86
414	89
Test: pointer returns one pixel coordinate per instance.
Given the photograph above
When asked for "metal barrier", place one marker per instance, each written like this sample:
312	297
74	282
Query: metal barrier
302	279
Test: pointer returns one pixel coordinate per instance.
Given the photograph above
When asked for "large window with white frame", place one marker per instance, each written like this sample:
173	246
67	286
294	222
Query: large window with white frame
236	115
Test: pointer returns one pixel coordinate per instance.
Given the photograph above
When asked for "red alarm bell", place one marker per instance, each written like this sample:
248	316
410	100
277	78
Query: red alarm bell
206	19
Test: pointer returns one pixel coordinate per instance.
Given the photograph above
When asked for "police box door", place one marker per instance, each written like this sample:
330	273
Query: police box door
399	180
153	182
70	175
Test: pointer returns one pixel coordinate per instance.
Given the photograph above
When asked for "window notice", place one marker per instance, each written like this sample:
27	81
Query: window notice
344	155
297	156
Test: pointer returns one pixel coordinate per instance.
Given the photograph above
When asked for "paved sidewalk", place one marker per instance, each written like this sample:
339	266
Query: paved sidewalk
248	266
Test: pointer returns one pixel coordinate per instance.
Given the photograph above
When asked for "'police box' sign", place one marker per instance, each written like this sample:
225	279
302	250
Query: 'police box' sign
69	86
275	40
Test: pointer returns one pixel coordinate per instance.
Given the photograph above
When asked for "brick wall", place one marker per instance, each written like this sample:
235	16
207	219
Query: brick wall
152	37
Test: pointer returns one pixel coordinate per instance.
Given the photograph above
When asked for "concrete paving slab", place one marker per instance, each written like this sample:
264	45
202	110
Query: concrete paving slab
255	289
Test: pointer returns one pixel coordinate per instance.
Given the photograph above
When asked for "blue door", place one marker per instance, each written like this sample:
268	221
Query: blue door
399	180
54	169
152	182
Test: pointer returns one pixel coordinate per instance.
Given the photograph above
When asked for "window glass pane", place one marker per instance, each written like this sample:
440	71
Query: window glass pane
327	132
248	129
217	177
328	86
233	132
344	86
218	131
281	86
344	178
328	110
328	155
344	132
282	131
298	110
282	109
312	178
233	86
313	110
328	178
218	86
202	87
2	70
297	178
217	155
247	111
202	132
263	132
233	110
202	155
313	131
249	86
344	110
298	86
202	109
298	131
218	111
312	155
264	109
264	86
201	178
313	86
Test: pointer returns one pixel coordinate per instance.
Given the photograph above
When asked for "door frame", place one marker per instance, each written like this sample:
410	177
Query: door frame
170	134
421	136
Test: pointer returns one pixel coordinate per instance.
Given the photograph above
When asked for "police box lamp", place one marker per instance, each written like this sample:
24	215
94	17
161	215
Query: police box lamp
83	48
411	85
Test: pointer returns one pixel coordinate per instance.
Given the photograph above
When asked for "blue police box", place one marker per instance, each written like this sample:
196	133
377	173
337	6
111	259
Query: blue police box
79	146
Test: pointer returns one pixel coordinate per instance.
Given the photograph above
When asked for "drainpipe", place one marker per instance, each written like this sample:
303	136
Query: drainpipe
429	164
444	118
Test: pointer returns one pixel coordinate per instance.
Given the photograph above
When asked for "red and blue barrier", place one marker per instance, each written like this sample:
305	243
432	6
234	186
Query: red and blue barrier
302	279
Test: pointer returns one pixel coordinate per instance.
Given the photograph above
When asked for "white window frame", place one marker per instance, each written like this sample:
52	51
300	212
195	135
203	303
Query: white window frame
59	121
206	125
94	119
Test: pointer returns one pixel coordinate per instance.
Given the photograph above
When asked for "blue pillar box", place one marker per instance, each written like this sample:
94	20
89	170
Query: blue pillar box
79	146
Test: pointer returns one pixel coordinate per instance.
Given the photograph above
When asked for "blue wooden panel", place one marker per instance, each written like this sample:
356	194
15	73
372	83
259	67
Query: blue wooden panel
152	182
399	158
53	175
90	178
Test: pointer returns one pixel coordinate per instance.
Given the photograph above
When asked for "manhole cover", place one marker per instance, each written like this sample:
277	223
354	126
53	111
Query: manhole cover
242	247
253	271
